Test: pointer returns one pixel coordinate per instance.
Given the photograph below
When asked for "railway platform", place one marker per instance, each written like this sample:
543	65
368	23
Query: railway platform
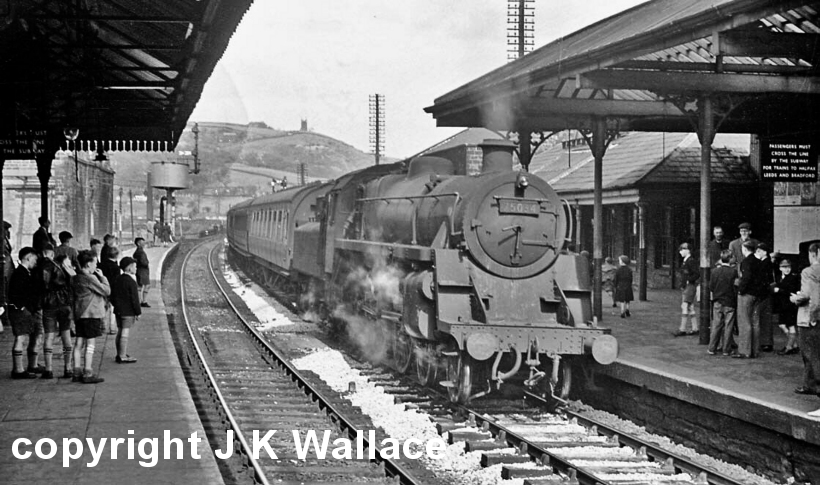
148	397
719	394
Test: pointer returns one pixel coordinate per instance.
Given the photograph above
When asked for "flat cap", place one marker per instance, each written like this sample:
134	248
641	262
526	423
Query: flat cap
745	225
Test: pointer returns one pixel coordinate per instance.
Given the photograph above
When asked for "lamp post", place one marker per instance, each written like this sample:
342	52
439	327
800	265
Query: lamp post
119	219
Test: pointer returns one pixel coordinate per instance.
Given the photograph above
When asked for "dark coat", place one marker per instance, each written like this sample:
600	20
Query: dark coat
143	267
56	283
125	296
689	272
623	284
24	290
782	306
40	238
722	284
753	279
111	271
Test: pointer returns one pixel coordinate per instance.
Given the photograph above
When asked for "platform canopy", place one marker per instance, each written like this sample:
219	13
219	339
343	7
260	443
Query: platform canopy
644	68
125	73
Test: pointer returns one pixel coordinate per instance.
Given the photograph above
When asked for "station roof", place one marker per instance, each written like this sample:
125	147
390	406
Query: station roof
645	158
645	67
128	72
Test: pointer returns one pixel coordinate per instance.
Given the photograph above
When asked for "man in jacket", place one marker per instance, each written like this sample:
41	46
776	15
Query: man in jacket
745	230
24	315
56	311
42	236
808	324
8	269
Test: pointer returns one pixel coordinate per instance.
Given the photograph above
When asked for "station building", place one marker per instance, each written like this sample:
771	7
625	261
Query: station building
80	198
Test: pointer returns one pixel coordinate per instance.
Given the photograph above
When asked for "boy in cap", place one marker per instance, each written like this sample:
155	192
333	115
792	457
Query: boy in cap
764	307
785	309
690	275
126	301
143	271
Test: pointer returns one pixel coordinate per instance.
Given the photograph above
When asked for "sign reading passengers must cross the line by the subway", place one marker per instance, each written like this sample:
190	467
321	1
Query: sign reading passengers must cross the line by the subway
788	161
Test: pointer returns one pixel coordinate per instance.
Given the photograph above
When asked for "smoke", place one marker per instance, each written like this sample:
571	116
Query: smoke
366	334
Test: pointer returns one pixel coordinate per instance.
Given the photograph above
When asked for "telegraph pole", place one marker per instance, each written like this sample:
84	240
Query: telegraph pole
376	109
520	28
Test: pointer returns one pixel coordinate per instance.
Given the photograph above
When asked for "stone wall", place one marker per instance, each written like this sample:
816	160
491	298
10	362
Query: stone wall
84	207
744	443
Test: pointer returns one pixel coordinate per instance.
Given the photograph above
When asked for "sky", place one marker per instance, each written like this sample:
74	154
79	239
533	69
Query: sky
319	60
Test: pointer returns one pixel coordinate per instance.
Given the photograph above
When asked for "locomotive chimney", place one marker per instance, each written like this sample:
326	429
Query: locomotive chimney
497	155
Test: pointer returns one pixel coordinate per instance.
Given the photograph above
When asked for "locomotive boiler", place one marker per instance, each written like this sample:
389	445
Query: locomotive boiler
463	277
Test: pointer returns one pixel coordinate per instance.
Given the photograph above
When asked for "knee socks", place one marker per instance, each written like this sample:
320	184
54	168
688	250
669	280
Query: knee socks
33	358
17	359
67	351
89	355
48	353
122	343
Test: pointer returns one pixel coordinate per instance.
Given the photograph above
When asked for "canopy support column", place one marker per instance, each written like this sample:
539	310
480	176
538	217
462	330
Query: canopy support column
706	134
642	251
44	162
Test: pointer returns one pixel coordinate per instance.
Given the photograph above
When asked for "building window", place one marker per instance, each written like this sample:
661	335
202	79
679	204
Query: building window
631	233
664	242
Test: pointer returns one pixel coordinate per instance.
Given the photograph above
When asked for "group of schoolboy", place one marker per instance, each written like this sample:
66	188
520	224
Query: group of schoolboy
80	294
752	290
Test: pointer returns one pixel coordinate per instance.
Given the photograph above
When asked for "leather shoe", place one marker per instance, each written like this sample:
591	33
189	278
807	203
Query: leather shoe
678	333
805	390
23	375
740	356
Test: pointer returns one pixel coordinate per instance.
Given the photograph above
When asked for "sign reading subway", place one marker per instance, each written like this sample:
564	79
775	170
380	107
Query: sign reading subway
788	160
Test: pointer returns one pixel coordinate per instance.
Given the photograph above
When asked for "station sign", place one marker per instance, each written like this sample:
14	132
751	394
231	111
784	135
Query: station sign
788	161
25	144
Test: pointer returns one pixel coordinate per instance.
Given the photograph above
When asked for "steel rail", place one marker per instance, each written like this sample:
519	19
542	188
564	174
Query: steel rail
538	453
392	468
659	454
257	468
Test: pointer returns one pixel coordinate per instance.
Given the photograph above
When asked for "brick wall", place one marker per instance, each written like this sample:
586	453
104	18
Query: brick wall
84	208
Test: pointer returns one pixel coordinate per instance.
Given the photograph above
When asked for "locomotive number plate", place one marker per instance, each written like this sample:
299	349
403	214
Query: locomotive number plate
517	206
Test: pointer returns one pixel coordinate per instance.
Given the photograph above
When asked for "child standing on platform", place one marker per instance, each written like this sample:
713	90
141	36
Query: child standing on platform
91	290
622	282
143	271
785	309
126	302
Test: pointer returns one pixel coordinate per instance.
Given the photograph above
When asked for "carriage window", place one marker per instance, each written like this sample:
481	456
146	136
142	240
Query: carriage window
285	235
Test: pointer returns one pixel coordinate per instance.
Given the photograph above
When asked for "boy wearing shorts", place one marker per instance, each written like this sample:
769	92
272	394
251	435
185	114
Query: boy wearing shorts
91	291
126	301
56	310
24	315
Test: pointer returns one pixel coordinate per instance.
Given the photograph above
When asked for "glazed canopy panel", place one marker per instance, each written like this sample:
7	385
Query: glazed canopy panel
115	70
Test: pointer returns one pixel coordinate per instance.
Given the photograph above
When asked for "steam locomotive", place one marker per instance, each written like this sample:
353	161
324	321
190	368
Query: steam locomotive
463	277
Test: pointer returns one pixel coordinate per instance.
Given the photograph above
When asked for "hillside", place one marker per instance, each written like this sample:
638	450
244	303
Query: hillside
233	155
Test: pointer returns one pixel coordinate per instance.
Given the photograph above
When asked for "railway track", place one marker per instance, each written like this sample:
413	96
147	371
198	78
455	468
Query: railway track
547	448
258	389
540	448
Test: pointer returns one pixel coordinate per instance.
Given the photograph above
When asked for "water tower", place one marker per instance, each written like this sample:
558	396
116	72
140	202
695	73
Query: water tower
170	176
